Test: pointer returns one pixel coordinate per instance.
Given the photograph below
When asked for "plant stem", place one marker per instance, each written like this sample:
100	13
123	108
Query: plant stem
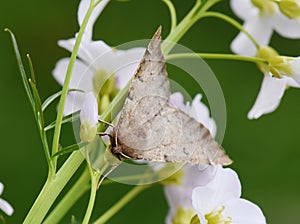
62	101
186	23
121	203
172	14
95	176
77	190
215	56
52	188
233	23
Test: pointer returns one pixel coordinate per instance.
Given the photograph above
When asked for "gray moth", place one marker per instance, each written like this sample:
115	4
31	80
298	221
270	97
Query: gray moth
149	128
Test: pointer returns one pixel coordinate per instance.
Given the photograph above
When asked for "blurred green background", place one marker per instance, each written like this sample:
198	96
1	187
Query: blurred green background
266	151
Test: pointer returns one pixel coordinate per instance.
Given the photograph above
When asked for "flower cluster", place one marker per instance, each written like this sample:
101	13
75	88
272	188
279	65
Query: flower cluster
261	18
209	194
202	193
99	68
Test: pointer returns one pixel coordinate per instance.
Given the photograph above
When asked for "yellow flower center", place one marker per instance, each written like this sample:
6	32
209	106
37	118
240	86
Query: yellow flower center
266	7
183	216
104	89
276	64
216	217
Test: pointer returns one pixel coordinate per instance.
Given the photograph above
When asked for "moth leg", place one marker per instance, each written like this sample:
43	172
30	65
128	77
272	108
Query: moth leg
107	123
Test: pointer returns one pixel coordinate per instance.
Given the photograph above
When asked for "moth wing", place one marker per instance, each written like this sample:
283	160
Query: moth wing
175	137
150	81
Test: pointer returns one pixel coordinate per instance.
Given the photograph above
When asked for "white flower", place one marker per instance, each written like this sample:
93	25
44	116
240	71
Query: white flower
261	18
96	63
88	118
179	196
219	201
279	73
4	205
270	94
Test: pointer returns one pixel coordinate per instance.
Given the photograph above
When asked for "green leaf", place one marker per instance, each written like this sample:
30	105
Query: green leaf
31	68
21	68
70	148
51	98
65	119
38	106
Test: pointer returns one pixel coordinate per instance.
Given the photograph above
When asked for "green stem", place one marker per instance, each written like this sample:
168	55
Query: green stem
215	56
62	101
77	190
95	176
52	188
121	203
172	14
233	23
189	20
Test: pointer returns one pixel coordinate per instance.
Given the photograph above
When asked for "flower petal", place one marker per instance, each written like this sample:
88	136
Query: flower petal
6	207
260	28
82	77
243	212
269	96
176	100
73	102
1	188
83	51
285	26
243	9
202	114
224	187
296	71
89	109
83	7
126	63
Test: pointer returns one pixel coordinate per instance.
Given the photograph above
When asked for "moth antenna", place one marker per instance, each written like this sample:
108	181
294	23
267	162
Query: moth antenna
106	175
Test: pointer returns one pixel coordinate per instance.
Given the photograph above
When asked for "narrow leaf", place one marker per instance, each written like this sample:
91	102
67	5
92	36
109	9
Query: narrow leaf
51	98
66	119
31	68
70	148
21	68
37	103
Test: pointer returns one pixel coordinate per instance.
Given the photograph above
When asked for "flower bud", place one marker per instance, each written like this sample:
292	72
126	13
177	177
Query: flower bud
89	118
265	6
290	8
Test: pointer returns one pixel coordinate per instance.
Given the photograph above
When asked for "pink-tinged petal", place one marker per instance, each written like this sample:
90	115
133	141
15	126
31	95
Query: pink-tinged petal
176	100
73	102
244	9
6	207
289	28
201	114
260	28
83	7
82	77
269	96
89	109
243	212
126	64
